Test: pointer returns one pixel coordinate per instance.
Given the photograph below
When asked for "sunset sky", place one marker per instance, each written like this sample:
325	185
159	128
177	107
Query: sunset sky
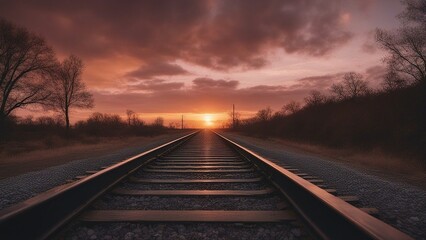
197	58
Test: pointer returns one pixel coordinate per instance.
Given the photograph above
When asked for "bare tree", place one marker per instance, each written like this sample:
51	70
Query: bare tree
291	108
173	125
68	89
338	90
136	121
393	80
264	115
25	61
352	86
130	115
158	122
407	45
415	11
133	119
407	51
315	98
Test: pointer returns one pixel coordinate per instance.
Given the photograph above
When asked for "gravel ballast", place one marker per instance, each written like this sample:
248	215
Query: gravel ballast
127	231
111	201
400	204
19	188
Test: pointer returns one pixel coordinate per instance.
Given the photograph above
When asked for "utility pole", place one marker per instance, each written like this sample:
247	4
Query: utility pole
182	122
233	116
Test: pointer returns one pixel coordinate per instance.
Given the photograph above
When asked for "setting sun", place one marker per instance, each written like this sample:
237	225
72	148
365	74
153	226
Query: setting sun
208	120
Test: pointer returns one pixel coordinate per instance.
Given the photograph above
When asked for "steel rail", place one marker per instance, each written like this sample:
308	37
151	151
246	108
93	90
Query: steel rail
41	216
327	216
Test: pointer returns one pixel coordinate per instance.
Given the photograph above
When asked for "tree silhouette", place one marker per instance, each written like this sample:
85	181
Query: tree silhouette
130	115
352	86
264	115
158	122
25	61
68	89
314	98
290	108
407	45
415	11
392	81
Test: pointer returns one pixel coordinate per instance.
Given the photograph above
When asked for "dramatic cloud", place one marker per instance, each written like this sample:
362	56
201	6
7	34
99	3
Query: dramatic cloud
209	95
197	100
156	85
374	75
370	45
365	4
211	84
320	83
218	34
156	69
205	95
162	56
267	88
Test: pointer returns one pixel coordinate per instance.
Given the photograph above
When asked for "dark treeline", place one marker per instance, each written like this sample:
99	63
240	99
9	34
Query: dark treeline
393	121
97	125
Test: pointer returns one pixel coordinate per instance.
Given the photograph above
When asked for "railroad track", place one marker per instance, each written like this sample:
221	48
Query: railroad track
201	183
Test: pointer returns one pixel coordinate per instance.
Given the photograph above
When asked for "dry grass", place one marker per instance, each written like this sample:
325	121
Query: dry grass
377	161
21	157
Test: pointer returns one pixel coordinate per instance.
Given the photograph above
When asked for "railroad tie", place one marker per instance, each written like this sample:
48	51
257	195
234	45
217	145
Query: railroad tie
199	167
198	171
282	205
310	178
332	191
316	181
187	181
371	211
293	169
80	177
302	175
136	192
187	216
200	163
349	199
198	157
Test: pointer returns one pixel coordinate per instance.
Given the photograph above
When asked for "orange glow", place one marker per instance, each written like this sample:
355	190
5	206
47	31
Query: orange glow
208	120
180	66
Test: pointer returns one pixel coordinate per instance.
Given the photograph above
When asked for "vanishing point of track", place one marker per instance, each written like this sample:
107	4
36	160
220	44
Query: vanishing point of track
184	175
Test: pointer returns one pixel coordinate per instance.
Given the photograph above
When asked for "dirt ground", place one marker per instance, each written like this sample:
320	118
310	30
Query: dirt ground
16	164
375	162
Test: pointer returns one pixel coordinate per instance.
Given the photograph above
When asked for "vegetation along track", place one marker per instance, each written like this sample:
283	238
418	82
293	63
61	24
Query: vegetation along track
200	183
